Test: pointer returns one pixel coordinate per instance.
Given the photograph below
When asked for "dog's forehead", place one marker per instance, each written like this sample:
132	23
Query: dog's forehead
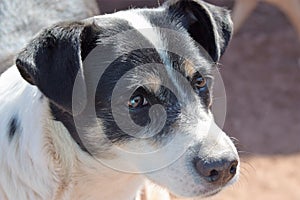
139	29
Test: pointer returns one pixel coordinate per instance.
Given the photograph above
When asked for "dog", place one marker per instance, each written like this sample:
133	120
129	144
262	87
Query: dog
21	20
94	108
243	8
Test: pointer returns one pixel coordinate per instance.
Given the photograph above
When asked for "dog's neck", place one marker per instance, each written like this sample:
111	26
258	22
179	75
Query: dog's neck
68	122
89	178
42	161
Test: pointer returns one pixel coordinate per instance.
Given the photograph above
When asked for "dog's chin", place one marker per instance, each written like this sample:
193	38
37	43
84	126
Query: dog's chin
204	194
211	193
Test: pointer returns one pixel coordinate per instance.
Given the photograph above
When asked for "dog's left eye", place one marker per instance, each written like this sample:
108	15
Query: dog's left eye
137	101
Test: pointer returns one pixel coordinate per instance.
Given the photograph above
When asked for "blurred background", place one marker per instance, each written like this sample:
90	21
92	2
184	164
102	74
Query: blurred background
261	73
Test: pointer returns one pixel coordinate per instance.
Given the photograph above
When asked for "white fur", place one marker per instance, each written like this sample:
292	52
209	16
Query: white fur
142	25
183	180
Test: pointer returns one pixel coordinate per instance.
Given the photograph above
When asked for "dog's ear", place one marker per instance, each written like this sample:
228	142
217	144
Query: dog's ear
53	59
208	25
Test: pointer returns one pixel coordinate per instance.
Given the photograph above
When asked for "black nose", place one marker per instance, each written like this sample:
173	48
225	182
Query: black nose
216	171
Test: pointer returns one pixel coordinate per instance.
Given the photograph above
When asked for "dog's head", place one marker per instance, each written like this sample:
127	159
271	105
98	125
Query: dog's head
134	90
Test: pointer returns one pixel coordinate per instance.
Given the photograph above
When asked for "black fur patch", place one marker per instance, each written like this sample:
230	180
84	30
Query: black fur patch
108	81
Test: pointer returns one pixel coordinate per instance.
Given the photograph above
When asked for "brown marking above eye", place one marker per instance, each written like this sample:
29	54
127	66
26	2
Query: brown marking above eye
189	68
152	83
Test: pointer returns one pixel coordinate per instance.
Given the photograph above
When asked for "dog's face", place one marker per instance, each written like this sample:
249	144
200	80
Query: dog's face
134	90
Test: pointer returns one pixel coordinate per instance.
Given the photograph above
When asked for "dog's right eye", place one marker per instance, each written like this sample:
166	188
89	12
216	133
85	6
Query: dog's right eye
199	83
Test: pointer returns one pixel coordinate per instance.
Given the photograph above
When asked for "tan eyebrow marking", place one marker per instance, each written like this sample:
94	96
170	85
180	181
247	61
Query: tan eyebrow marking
153	83
189	68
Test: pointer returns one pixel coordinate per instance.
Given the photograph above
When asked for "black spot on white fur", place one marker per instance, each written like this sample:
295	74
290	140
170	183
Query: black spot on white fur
13	127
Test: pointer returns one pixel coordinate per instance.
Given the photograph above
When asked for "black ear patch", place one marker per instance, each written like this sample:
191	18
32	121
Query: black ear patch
208	25
52	60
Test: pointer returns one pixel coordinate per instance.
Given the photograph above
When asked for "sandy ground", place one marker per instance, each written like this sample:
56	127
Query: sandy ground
266	178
